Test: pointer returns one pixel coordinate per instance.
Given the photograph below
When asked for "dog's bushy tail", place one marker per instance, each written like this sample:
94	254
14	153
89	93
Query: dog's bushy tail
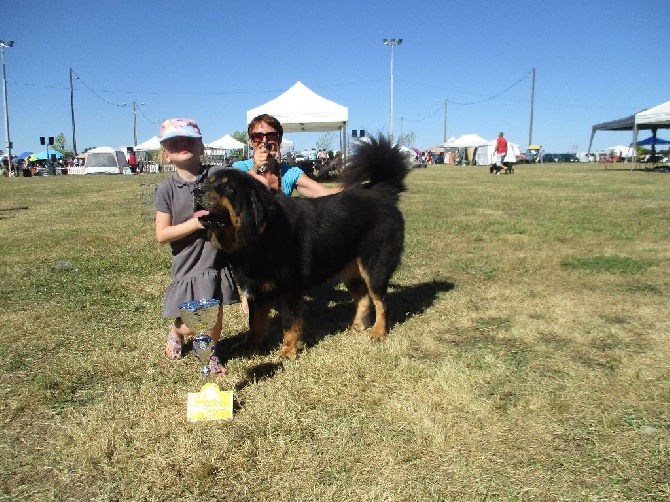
376	163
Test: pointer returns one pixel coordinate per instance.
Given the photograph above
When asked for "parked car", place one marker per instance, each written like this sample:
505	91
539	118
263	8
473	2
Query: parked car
654	158
560	157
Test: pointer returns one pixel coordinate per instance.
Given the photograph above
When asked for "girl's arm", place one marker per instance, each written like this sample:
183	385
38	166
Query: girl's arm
166	232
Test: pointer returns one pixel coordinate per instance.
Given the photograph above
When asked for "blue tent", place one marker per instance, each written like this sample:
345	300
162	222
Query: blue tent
24	155
653	141
43	155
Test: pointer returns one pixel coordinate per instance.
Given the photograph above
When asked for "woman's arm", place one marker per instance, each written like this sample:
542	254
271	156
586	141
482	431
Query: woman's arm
307	187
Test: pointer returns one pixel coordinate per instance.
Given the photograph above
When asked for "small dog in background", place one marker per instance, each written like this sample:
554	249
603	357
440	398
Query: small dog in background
507	168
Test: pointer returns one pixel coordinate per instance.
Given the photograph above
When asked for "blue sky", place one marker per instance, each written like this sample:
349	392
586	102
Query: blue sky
595	60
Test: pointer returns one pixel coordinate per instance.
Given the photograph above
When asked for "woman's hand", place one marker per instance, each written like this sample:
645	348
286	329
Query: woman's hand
264	156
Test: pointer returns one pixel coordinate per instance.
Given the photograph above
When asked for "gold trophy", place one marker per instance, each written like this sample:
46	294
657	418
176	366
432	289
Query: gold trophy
211	403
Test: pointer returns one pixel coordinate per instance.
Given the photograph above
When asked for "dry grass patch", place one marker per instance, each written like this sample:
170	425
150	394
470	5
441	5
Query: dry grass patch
527	359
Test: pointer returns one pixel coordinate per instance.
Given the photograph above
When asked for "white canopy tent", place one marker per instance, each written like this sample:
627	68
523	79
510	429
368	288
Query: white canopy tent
468	143
152	144
652	119
486	153
300	109
465	141
226	142
286	145
223	145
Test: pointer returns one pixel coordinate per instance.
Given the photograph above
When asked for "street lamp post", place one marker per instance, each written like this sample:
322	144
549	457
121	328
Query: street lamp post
8	143
392	42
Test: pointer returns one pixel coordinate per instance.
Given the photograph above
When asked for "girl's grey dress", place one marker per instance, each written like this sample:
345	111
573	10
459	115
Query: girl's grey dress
198	270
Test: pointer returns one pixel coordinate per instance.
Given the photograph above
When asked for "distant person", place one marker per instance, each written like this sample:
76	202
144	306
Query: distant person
132	162
540	155
198	270
265	137
501	152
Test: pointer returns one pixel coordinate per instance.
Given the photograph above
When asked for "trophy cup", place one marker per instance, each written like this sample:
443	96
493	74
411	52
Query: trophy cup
210	403
200	316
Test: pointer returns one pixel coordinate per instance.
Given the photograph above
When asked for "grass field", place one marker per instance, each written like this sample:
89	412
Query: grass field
528	359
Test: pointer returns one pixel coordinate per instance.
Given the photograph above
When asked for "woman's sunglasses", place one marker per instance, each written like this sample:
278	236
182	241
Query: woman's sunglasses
257	137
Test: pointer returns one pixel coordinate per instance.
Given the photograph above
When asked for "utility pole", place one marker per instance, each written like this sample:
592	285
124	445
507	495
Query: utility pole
446	103
532	99
3	44
74	129
134	124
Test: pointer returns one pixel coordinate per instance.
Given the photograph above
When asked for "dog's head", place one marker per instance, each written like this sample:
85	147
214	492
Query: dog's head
239	208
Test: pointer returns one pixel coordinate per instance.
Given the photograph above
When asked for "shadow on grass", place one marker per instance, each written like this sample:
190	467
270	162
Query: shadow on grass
329	310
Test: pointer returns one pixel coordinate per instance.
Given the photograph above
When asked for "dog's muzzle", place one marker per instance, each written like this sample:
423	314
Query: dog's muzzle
202	199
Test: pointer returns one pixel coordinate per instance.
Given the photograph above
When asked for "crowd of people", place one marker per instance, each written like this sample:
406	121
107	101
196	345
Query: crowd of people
26	167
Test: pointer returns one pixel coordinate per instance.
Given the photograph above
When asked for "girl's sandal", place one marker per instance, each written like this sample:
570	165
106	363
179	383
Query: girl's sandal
215	365
173	347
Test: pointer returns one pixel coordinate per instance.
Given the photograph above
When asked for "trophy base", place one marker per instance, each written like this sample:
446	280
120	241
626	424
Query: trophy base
211	403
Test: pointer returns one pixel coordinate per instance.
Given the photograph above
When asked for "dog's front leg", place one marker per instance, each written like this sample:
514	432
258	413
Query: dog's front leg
259	318
292	328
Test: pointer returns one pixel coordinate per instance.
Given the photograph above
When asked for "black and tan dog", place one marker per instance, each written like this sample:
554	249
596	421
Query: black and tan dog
280	246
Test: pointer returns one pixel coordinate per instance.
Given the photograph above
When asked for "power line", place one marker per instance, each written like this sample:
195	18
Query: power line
495	95
344	84
425	118
473	102
481	100
152	121
94	92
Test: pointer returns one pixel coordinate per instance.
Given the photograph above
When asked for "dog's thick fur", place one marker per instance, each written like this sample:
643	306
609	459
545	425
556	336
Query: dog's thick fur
280	246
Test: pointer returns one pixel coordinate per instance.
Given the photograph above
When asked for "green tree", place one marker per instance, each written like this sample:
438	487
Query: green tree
407	139
240	136
60	145
325	141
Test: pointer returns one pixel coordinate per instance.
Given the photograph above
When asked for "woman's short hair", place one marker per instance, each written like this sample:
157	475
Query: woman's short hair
269	120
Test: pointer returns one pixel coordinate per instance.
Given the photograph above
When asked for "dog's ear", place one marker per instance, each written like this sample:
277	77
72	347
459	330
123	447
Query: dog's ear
260	210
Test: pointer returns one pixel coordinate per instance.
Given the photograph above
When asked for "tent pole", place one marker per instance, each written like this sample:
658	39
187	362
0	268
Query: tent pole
593	133
343	141
634	155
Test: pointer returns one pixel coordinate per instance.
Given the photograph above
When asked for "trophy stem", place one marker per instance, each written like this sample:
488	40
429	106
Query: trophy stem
203	348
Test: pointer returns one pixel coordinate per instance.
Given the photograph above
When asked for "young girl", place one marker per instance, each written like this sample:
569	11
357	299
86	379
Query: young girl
198	272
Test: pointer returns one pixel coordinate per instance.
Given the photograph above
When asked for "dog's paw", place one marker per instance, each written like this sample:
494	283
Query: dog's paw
288	352
357	326
377	333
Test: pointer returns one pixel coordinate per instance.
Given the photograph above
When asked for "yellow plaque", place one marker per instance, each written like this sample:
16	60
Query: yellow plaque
211	403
